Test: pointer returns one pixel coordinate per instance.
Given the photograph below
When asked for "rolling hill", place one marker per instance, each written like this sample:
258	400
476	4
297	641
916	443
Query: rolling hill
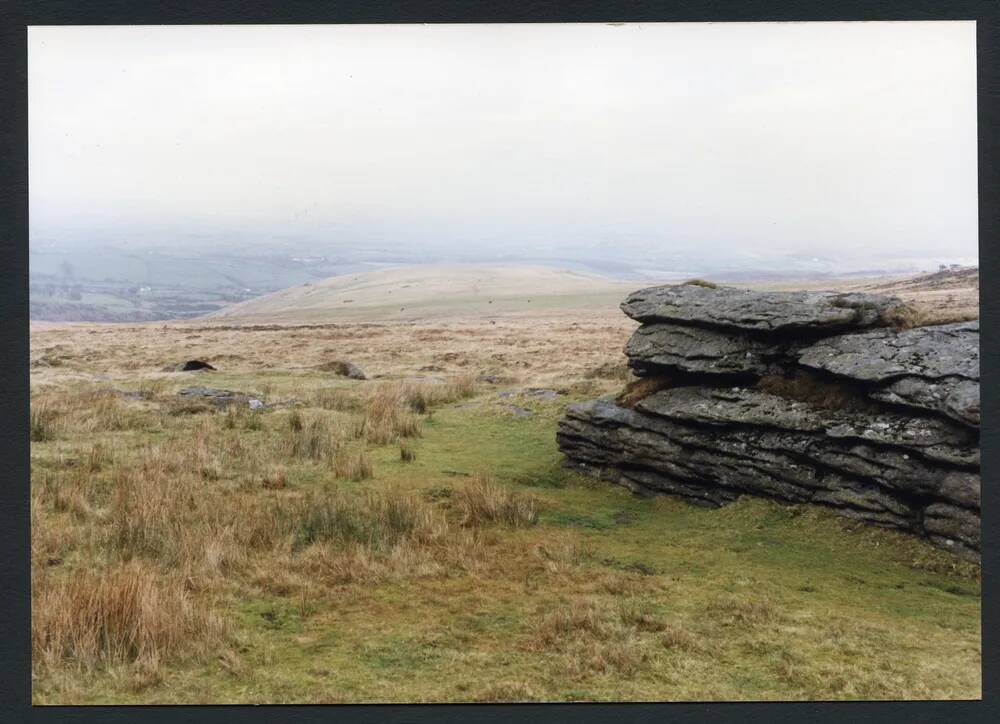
434	291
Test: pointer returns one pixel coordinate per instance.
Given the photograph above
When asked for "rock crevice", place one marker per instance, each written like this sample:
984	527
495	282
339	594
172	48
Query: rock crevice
831	406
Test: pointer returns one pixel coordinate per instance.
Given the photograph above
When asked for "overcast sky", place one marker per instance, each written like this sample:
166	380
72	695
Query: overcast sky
835	139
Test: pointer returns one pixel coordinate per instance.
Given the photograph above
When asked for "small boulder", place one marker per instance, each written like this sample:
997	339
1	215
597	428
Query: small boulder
343	368
191	365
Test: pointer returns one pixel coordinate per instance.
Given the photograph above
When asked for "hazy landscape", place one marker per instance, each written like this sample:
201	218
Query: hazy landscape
504	363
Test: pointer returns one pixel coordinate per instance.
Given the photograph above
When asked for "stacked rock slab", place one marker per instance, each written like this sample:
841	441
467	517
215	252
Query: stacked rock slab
803	397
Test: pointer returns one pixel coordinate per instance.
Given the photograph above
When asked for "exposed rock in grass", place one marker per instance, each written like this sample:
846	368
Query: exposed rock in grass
533	393
770	394
191	365
221	398
343	368
517	411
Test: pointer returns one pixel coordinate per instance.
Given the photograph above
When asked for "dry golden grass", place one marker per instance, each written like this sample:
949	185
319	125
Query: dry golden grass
510	692
639	389
126	614
41	422
926	302
353	465
677	637
599	639
743	611
485	501
84	409
313	439
818	390
544	348
387	416
337	398
379	521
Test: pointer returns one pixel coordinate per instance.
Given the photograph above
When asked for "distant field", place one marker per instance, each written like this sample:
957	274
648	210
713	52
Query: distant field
434	292
491	292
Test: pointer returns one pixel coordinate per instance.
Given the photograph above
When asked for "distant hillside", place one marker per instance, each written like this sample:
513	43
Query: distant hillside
439	290
112	284
956	277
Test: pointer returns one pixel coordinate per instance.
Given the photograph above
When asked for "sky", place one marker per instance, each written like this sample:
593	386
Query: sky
836	140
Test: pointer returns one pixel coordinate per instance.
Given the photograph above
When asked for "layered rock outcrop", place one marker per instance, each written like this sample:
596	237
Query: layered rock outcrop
804	397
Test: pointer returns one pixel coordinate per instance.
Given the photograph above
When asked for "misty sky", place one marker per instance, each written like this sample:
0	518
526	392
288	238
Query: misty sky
834	139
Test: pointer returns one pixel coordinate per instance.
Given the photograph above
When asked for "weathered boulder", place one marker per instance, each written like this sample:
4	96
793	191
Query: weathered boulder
668	445
761	311
934	368
800	396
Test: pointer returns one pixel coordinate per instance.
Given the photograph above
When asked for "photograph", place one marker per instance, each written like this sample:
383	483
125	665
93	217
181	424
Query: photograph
427	363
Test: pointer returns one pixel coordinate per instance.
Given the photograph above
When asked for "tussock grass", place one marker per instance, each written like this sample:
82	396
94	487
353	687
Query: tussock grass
379	521
485	501
407	453
904	316
42	422
386	417
147	517
240	417
353	465
98	458
126	614
640	614
594	639
677	637
151	388
313	439
85	410
575	620
701	283
454	389
337	398
272	477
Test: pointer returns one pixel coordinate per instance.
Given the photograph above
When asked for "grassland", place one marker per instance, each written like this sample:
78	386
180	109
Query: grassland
435	291
414	537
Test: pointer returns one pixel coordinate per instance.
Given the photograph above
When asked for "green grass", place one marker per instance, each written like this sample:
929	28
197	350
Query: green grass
756	600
